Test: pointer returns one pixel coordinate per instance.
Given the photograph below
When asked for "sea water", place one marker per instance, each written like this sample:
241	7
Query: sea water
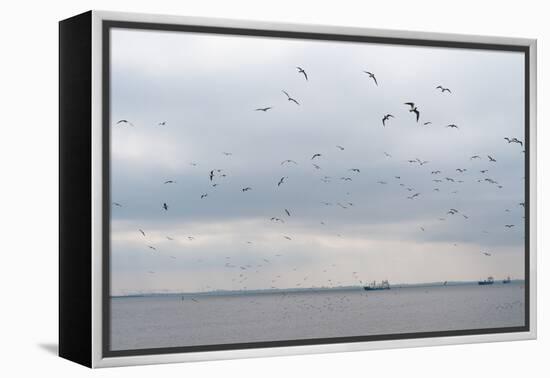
168	321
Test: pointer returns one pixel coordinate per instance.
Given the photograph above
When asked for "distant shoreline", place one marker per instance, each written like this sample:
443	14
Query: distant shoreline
305	290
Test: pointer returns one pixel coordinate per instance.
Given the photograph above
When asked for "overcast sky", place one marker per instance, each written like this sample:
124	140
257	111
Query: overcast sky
206	87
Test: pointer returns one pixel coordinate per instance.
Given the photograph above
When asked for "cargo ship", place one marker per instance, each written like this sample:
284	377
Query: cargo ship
384	285
507	280
488	281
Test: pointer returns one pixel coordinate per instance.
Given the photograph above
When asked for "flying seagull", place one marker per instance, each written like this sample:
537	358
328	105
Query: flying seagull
413	109
316	166
443	90
142	232
316	155
301	70
508	225
165	206
163	123
263	109
287	212
516	140
246	189
340	148
475	157
281	181
204	195
288	161
126	122
385	118
151	247
290	98
427	123
486	253
387	155
492	159
117	204
211	175
371	75
169	182
355	170
452	126
227	153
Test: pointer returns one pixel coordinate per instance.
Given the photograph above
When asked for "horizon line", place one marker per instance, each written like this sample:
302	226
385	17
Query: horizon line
303	289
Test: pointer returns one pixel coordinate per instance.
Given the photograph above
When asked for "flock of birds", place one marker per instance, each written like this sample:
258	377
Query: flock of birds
437	177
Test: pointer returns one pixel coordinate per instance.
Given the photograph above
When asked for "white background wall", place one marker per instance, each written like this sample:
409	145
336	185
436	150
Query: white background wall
28	200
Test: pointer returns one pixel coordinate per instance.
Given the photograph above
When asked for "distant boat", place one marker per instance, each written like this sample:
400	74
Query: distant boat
507	280
385	285
488	281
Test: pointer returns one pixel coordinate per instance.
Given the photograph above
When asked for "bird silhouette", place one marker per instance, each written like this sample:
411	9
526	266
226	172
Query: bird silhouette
301	70
371	75
125	122
290	98
385	118
263	109
443	90
413	109
288	161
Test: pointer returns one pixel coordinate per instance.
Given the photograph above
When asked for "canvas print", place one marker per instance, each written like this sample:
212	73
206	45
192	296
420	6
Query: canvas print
272	189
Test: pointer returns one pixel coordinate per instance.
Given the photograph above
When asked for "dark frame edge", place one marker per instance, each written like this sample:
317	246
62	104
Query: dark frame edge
75	195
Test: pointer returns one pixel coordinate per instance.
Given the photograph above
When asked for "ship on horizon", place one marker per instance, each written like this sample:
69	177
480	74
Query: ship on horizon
488	281
507	280
384	285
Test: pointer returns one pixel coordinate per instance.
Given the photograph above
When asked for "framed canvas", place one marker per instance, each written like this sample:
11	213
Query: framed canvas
237	189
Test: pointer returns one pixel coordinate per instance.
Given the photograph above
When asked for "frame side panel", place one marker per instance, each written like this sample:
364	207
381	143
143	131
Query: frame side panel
75	327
